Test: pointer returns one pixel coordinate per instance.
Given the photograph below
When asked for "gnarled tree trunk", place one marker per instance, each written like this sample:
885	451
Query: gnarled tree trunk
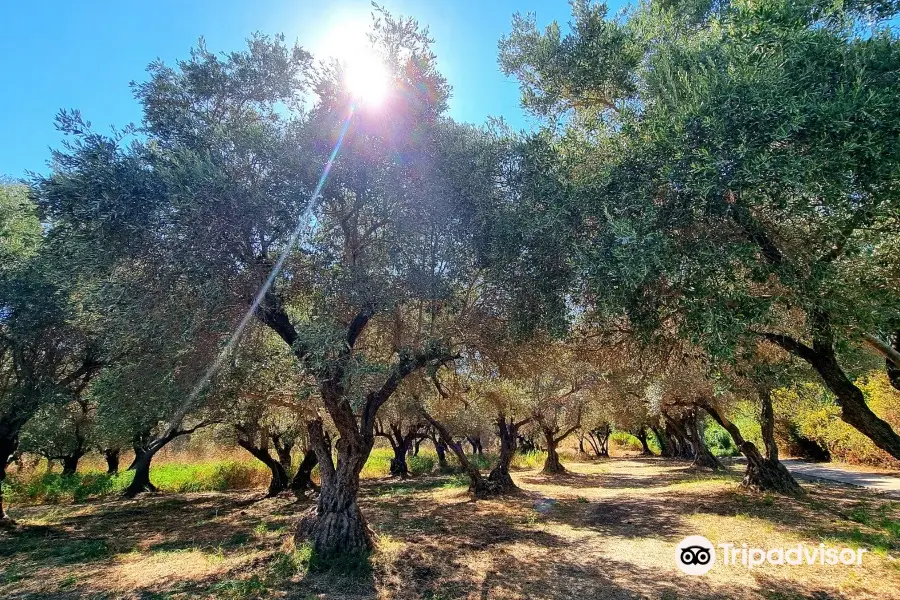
145	448
702	456
552	465
399	468
112	460
440	448
508	432
762	473
667	447
336	526
641	435
302	480
141	467
70	463
598	438
280	479
677	431
479	487
767	424
854	410
283	449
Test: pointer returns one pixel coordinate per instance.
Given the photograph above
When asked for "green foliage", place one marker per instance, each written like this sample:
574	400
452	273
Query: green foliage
813	411
529	460
20	228
719	441
53	488
625	440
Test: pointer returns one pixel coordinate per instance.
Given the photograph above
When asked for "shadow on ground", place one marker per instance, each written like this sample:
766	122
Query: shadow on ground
607	530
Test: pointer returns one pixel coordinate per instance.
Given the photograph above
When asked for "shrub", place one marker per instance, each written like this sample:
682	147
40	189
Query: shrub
423	463
529	460
719	441
625	441
35	487
817	417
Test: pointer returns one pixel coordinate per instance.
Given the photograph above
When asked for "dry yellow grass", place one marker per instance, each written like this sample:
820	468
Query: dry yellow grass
606	530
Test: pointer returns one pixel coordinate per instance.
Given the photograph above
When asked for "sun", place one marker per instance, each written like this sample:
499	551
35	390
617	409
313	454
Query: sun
366	78
344	37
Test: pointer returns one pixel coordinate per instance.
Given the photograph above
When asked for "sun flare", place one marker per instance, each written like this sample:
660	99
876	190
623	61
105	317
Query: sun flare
366	78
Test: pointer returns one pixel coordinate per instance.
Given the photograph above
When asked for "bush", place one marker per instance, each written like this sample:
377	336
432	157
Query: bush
529	460
210	476
719	441
817	417
422	464
36	487
625	441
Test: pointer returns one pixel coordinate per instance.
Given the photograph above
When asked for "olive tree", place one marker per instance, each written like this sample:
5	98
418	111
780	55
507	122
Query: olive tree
49	352
730	171
204	204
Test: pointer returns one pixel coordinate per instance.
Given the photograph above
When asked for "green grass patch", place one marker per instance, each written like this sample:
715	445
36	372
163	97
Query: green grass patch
529	460
53	488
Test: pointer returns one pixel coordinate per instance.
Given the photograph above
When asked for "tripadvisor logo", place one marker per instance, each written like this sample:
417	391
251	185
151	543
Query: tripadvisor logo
695	555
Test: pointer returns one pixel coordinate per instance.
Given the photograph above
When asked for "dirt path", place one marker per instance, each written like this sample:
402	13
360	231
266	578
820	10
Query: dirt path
885	483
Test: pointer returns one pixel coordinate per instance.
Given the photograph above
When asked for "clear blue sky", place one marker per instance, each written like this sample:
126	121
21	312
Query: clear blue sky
64	54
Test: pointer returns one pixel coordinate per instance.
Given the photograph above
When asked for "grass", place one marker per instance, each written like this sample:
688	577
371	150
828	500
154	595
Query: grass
609	533
180	474
38	487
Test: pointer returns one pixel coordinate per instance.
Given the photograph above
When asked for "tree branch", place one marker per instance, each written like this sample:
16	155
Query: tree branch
791	345
407	364
883	348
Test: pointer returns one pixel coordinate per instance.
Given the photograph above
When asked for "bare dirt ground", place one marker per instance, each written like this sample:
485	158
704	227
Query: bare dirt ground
606	530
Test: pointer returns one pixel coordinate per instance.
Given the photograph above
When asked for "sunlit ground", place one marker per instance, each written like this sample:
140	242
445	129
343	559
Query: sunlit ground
608	530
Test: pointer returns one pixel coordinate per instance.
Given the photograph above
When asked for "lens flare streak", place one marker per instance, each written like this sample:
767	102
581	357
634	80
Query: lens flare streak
175	423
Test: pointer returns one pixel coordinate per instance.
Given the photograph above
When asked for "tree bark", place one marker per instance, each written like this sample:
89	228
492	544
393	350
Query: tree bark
641	435
666	446
302	480
440	448
70	463
552	465
399	468
702	456
762	474
336	526
283	450
112	460
767	424
681	437
280	480
599	440
508	433
141	482
854	410
144	451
